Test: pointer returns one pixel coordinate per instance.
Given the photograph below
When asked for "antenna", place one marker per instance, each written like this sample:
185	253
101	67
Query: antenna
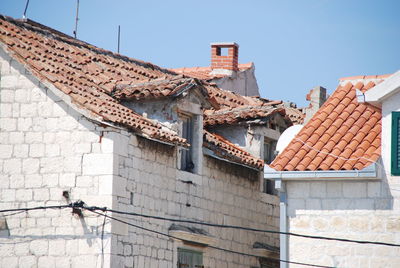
119	36
26	9
76	18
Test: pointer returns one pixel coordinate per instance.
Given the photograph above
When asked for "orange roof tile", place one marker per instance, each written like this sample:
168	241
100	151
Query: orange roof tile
96	79
206	72
156	89
342	135
227	150
84	72
241	113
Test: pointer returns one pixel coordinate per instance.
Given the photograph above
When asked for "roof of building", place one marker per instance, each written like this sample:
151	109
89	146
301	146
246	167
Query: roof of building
96	80
155	89
206	72
342	135
227	150
229	116
85	73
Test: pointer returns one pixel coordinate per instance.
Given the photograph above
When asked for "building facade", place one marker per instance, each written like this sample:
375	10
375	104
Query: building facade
81	123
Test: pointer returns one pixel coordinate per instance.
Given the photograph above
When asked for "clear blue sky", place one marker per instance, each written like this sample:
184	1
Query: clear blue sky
295	45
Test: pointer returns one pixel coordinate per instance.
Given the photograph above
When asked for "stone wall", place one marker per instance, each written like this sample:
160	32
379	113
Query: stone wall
360	210
46	148
354	209
224	193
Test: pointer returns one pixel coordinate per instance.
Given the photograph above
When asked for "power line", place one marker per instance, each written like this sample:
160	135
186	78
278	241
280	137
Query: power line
214	247
245	228
81	204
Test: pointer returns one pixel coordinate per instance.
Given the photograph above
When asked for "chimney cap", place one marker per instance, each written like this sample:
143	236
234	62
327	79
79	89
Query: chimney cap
224	44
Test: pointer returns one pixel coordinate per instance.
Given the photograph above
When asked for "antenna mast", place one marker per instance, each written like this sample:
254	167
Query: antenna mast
76	18
26	9
119	36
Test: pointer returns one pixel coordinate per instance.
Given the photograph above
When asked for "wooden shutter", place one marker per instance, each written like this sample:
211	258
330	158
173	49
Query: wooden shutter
395	154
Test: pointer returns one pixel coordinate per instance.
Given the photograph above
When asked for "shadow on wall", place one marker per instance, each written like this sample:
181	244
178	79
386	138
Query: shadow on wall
339	195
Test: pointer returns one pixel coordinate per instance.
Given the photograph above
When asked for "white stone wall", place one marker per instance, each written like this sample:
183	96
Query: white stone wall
224	194
362	210
46	148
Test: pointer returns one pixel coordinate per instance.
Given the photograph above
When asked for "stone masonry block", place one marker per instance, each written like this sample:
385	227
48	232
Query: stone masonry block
5	151
355	189
33	180
98	164
39	247
8	124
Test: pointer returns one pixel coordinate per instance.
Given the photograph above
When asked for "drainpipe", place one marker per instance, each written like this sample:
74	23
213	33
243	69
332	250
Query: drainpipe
283	239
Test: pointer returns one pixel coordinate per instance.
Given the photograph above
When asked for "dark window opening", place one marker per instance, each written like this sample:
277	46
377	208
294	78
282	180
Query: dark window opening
269	187
269	150
222	51
190	258
187	133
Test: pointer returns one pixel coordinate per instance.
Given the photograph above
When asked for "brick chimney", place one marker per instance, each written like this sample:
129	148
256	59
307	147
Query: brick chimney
227	60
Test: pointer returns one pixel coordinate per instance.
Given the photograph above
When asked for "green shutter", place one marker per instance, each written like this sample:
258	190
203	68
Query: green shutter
395	159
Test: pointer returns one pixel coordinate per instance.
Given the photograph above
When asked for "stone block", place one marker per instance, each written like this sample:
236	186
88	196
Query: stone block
23	195
5	151
33	137
8	124
46	262
52	149
298	189
41	194
374	189
27	262
98	164
39	247
22	95
12	166
6	110
16	137
30	165
28	110
355	189
36	150
21	150
7	96
9	81
33	181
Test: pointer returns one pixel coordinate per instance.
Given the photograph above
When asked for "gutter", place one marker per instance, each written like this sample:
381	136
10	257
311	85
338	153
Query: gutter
369	172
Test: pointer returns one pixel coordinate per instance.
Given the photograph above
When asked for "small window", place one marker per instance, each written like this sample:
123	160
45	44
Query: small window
189	258
187	133
395	159
269	150
269	187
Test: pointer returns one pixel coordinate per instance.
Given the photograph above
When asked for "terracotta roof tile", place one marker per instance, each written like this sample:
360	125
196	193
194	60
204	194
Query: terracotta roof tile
96	80
342	135
242	113
227	150
206	72
71	66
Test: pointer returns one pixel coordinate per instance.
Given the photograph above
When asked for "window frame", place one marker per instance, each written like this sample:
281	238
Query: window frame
395	144
187	132
190	251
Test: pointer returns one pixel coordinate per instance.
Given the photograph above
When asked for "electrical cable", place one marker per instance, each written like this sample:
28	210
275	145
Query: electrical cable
246	228
81	204
218	248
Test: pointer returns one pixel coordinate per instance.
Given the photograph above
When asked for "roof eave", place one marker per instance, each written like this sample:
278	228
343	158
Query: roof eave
384	90
367	173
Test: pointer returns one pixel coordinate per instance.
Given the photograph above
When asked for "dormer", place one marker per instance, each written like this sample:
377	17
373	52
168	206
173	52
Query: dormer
178	105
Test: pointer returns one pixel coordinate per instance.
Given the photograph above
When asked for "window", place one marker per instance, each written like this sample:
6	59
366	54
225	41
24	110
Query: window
187	133
269	186
269	150
269	156
395	159
189	258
